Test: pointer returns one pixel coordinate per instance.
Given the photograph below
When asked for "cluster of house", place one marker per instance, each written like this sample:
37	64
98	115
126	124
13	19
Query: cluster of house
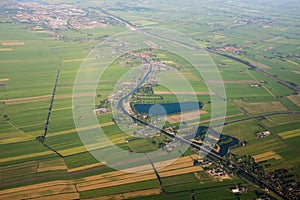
102	111
146	132
254	20
257	85
171	129
233	49
218	172
263	134
170	146
204	163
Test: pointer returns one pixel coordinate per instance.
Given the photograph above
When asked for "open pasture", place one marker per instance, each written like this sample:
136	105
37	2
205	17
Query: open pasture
242	130
262	107
128	195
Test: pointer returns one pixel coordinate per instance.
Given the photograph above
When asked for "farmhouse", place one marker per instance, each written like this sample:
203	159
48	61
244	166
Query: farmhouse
255	85
238	190
263	134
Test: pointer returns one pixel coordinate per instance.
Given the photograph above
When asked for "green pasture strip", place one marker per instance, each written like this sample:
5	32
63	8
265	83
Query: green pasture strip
179	179
79	160
120	189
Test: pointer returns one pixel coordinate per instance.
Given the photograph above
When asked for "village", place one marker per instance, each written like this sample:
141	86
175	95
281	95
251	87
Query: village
52	16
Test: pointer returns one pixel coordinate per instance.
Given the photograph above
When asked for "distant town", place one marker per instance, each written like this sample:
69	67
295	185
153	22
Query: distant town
52	16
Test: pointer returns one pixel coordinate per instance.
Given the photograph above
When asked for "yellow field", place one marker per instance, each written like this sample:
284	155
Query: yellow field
200	54
72	151
161	55
182	165
142	173
295	99
94	146
40	132
12	43
52	165
102	176
227	61
27	100
109	179
10	61
140	169
68	189
74	60
74	130
174	162
15	137
107	124
290	61
175	166
266	156
169	62
32	155
145	23
38	98
290	134
185	116
219	36
297	72
39	190
69	196
114	181
85	167
181	171
6	49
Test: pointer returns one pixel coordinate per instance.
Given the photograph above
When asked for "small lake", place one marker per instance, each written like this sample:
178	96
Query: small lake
167	108
224	148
